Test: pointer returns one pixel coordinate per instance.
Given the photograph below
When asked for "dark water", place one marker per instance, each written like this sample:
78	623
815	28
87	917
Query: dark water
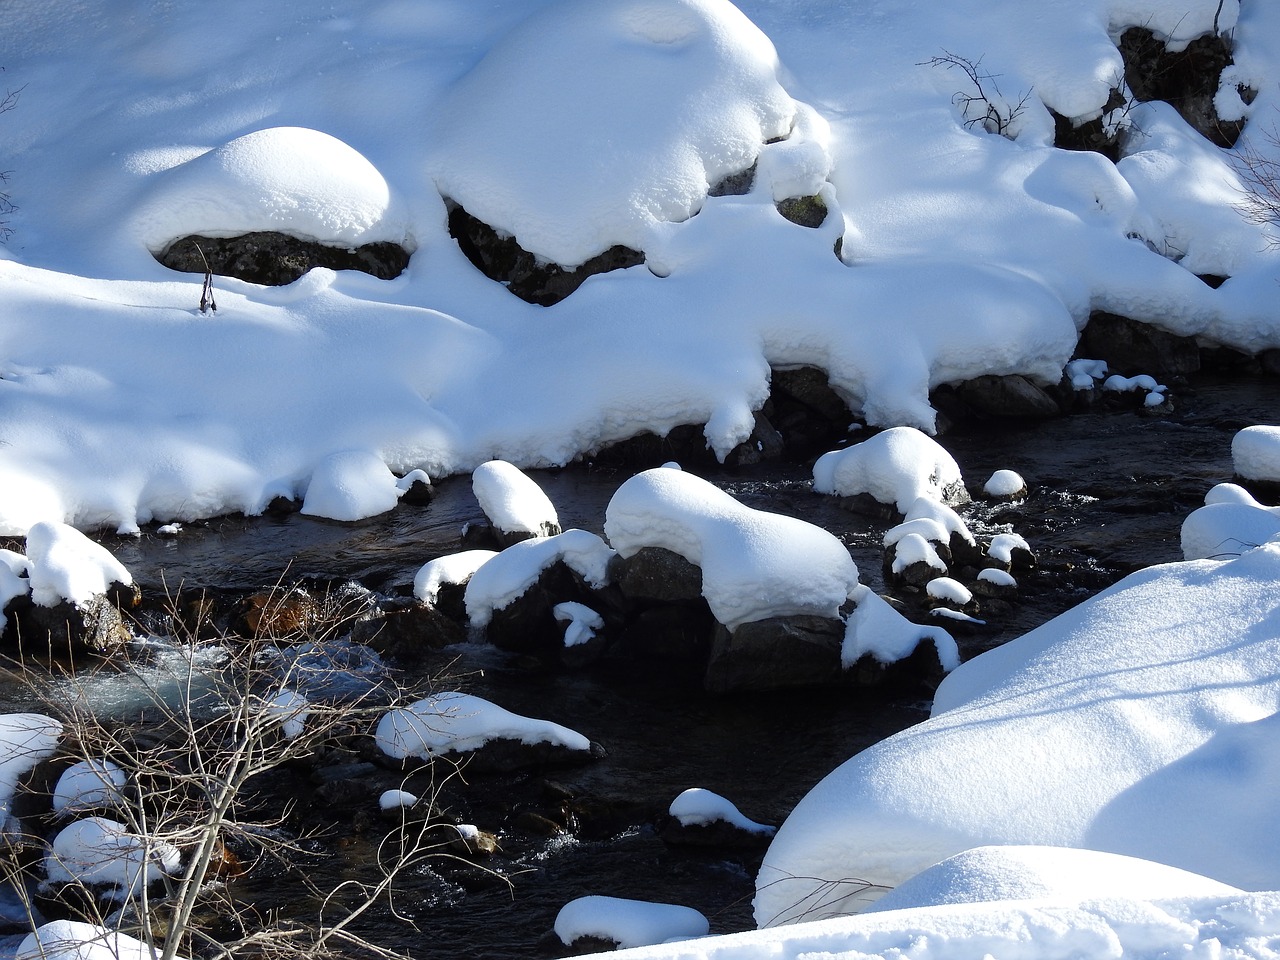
1108	494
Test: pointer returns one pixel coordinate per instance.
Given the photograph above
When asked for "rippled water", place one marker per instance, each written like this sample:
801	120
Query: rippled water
1108	493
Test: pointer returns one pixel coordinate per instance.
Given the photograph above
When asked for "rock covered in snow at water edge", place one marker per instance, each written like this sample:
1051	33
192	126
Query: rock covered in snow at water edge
89	785
515	505
702	818
496	739
628	923
1005	485
755	565
1255	453
435	577
104	853
76	940
1231	522
896	466
354	484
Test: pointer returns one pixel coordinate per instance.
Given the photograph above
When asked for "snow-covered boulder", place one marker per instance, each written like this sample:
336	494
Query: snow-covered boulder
77	589
1141	722
699	817
1227	528
1255	453
77	940
677	94
105	854
755	565
352	485
454	724
897	467
89	785
628	923
291	180
26	739
515	505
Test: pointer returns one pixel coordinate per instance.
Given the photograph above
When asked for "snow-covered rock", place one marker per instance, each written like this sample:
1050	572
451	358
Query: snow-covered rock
352	485
77	940
896	466
755	564
504	578
1255	452
513	502
89	785
104	853
454	569
628	923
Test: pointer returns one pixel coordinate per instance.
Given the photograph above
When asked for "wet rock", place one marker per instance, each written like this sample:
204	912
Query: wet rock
1131	348
528	624
501	258
772	654
1007	396
68	630
656	575
719	834
1093	135
805	410
274	259
765	443
674	634
277	614
407	634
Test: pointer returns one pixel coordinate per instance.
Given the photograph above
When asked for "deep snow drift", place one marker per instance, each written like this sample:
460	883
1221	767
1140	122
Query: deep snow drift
961	252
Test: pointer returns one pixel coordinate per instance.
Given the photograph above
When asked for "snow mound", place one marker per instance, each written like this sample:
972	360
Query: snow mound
1227	528
291	180
629	923
591	124
25	740
1141	722
88	785
77	940
754	564
352	485
1062	874
1255	452
64	564
897	466
697	806
459	723
97	850
876	629
512	501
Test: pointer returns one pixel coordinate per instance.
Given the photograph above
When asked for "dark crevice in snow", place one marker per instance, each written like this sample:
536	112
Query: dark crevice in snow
1096	135
501	258
735	184
1187	79
275	259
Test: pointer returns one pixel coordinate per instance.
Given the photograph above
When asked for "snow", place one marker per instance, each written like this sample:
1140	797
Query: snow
77	940
754	564
25	740
455	568
1003	544
460	723
1225	529
505	577
396	800
353	484
512	501
581	622
1255	451
629	923
984	256
88	785
101	851
1001	578
697	806
1004	483
290	709
13	580
876	629
897	466
948	590
1063	874
64	564
1141	722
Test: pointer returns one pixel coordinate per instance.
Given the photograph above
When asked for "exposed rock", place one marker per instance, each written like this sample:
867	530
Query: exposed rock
528	624
501	258
656	575
66	629
1007	396
1093	135
805	211
673	634
765	443
407	634
735	184
1187	79
277	614
274	259
508	756
1131	348
719	834
772	654
1270	361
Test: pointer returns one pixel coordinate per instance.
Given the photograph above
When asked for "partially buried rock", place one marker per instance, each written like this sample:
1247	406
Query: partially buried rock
656	575
776	653
407	633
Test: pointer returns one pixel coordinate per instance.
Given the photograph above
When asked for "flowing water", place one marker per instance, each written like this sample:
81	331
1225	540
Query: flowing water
1107	495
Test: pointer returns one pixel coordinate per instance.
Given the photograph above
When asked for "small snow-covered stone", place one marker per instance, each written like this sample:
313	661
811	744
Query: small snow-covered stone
1005	485
948	591
628	923
88	785
1255	452
515	505
896	466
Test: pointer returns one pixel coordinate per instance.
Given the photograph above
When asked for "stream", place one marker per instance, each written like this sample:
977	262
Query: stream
1108	491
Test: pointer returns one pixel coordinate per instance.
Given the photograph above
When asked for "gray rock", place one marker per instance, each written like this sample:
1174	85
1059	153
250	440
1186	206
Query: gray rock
1131	348
776	653
1010	396
656	575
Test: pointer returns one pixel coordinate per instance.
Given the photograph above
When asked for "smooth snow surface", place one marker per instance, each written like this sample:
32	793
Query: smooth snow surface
876	629
697	806
754	564
573	125
629	923
512	501
101	851
1042	873
1004	483
459	723
1255	452
396	800
1142	722
897	466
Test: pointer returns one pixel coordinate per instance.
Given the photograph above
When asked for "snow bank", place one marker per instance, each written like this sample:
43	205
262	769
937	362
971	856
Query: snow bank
754	564
351	485
1141	722
459	723
629	923
897	466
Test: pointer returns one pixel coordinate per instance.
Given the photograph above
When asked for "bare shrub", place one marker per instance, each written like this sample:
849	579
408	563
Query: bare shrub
980	101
